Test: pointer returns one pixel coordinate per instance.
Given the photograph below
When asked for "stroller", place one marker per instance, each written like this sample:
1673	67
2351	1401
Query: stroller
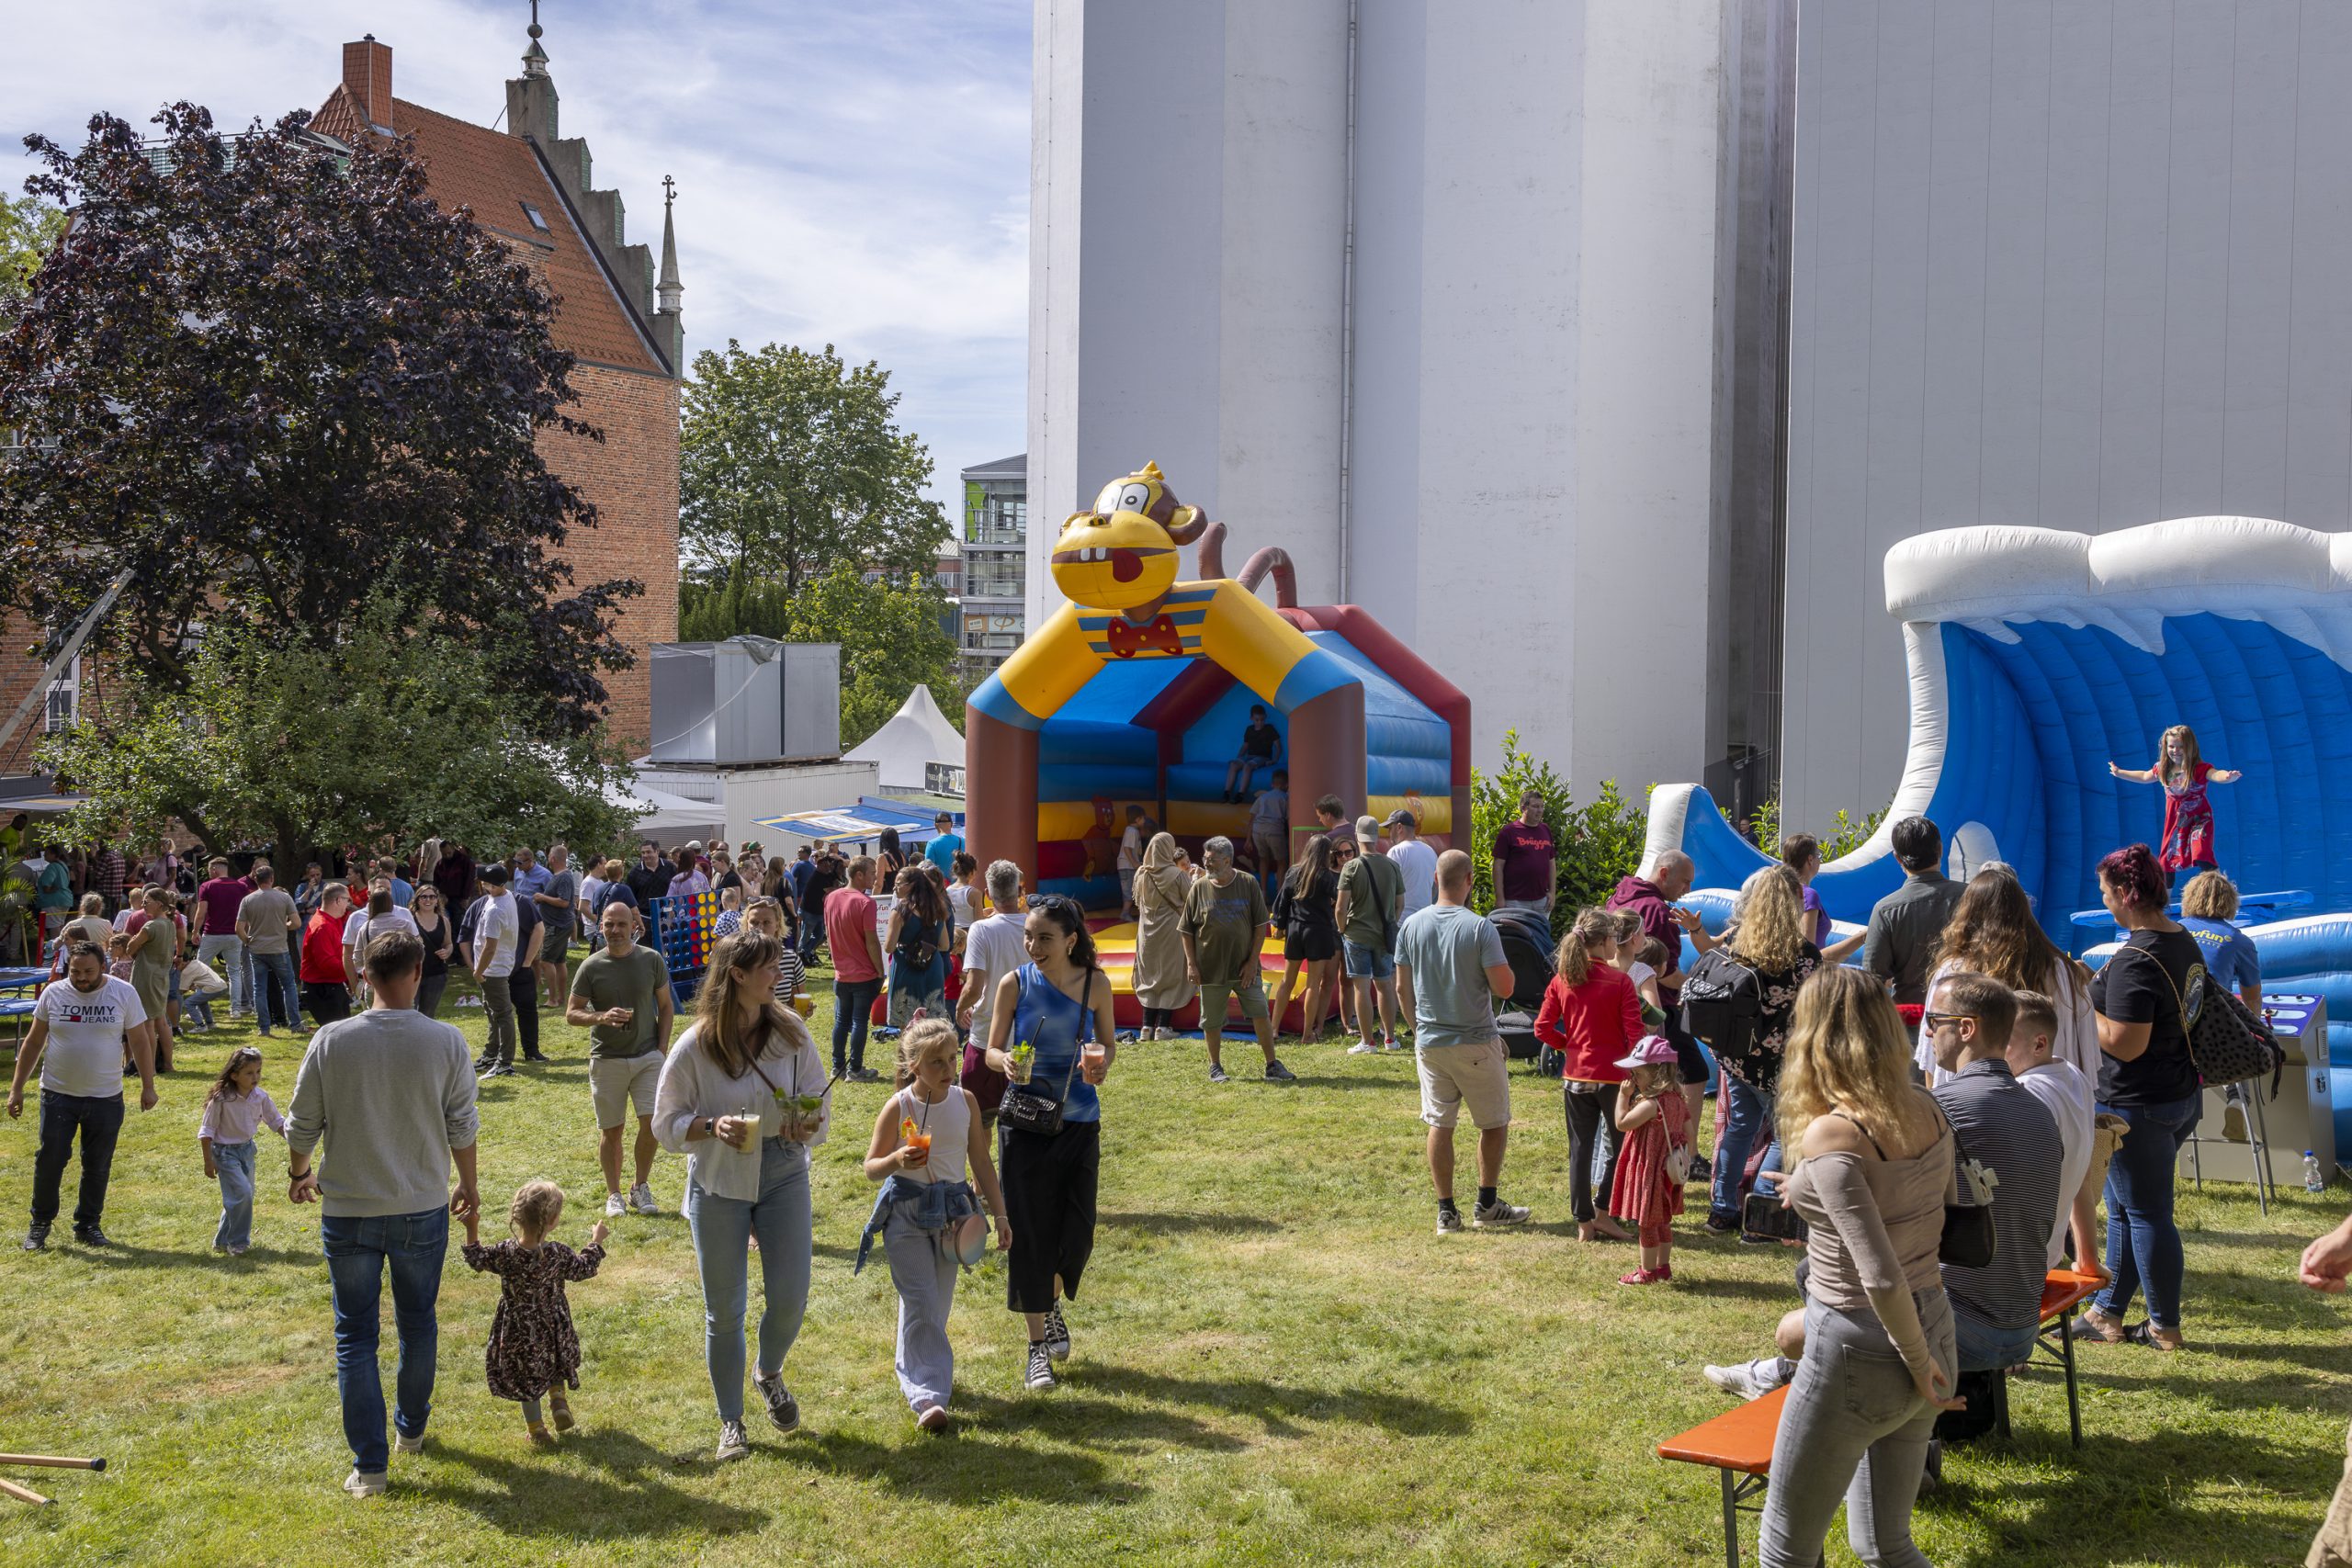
1527	945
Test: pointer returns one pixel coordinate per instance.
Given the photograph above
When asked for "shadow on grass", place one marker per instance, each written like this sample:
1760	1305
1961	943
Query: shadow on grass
978	1471
1278	1408
1779	1291
1181	1224
1324	1080
119	1255
525	1495
2117	1492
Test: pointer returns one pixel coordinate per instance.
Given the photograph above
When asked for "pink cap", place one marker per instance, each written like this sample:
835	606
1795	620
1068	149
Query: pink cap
1649	1051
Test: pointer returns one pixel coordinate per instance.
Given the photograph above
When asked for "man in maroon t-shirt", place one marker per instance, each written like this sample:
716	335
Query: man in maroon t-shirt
216	931
1523	856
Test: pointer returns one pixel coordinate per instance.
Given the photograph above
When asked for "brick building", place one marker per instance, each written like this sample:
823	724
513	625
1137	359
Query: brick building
532	187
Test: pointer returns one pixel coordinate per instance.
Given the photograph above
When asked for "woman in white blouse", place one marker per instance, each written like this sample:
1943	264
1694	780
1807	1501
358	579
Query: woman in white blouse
726	1101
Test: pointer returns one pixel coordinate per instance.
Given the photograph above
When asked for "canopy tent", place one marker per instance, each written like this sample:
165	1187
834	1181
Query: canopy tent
673	819
917	735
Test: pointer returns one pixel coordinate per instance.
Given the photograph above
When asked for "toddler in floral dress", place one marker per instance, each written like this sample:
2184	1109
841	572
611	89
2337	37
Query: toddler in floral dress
534	1351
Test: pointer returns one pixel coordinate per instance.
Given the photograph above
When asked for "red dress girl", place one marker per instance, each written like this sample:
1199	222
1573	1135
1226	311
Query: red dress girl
2187	842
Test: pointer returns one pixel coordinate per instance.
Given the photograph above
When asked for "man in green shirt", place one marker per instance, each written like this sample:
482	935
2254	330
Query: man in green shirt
621	996
1225	930
1372	901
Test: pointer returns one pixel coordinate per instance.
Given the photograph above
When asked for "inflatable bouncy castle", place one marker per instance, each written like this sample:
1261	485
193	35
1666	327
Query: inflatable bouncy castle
2037	656
1136	692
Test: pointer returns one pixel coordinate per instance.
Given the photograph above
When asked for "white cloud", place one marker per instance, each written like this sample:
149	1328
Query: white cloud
855	174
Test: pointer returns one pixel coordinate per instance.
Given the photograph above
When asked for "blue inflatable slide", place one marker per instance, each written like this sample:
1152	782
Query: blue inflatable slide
2036	656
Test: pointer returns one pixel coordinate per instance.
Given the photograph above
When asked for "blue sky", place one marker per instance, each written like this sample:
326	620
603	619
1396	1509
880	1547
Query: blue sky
851	173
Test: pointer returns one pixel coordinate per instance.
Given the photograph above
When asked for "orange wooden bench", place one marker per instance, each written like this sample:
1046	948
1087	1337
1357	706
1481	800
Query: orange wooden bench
1738	1444
2062	1293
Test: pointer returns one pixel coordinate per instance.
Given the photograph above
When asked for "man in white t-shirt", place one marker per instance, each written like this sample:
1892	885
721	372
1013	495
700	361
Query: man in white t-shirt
2069	1097
992	949
497	932
1415	859
80	1031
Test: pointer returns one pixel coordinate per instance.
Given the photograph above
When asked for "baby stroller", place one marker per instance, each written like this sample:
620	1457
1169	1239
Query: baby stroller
1527	945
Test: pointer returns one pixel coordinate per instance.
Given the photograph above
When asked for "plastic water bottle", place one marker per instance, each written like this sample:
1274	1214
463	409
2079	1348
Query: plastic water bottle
2314	1179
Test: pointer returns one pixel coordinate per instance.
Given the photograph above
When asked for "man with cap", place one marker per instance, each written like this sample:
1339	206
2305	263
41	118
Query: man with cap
1371	905
945	844
1414	858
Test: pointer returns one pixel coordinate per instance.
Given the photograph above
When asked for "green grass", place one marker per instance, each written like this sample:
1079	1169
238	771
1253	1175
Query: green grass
1276	1361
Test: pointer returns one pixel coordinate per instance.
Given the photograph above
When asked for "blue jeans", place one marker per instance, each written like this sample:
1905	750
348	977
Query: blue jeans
236	1163
2142	1243
1748	1114
1983	1348
273	982
358	1249
98	1121
852	1014
723	1228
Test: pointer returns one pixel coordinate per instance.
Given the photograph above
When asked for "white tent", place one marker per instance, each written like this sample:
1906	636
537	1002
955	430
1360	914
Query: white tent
668	817
917	734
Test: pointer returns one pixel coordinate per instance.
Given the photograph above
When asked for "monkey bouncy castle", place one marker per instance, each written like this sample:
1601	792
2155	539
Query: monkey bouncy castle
1137	691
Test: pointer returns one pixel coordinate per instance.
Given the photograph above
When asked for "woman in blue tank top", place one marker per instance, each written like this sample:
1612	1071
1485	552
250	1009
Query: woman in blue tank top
1058	1005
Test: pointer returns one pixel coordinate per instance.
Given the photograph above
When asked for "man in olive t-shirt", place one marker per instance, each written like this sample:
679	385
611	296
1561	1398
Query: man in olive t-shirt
621	996
1372	902
1225	929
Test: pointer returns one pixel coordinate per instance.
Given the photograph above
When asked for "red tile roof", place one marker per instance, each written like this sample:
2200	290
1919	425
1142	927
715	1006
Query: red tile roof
494	173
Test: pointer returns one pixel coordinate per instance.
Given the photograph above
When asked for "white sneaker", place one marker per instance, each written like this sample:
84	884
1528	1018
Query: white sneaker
640	1198
614	1206
1748	1380
408	1445
361	1484
1363	1048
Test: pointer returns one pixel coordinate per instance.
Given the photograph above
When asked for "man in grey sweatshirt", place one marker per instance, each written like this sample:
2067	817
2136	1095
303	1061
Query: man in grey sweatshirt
392	1094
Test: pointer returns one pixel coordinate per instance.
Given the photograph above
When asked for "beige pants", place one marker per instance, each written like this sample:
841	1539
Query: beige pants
2332	1547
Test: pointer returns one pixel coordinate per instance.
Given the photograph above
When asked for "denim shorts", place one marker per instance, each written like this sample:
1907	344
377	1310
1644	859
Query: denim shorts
1368	963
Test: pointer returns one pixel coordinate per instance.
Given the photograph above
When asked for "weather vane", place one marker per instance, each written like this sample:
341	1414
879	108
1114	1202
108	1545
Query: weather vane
534	18
669	185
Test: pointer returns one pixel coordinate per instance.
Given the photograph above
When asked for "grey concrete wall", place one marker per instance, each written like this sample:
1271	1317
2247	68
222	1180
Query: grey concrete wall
2067	262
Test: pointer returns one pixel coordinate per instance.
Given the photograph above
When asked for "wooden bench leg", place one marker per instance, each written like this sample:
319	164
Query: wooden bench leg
1731	1519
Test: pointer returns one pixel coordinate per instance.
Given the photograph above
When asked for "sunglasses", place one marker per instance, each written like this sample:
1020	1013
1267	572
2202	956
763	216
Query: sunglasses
1932	1021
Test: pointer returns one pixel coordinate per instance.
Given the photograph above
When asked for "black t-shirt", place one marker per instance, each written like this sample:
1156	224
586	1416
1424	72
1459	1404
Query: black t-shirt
434	962
650	882
2130	990
1260	740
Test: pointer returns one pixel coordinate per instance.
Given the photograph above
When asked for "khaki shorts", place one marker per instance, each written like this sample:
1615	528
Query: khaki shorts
616	1082
1475	1074
2332	1547
1249	991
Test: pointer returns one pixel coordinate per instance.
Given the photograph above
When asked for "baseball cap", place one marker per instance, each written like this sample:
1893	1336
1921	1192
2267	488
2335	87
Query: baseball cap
1649	1051
1400	817
694	844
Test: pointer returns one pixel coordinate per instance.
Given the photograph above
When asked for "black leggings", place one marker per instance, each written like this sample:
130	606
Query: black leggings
1157	1017
1049	1201
1593	1147
325	1001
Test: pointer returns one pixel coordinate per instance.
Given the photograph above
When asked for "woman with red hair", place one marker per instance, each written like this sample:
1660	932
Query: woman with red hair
2147	1000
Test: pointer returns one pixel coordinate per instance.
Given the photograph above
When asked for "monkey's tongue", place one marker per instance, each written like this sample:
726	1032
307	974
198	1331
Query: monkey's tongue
1125	566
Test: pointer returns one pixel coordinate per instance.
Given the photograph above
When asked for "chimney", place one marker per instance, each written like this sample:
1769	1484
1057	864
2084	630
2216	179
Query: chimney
368	77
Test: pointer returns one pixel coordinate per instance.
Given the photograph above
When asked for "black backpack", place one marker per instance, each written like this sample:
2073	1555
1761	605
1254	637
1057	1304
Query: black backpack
1723	1002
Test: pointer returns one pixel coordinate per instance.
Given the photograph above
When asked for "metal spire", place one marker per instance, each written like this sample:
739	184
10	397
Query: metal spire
670	288
535	58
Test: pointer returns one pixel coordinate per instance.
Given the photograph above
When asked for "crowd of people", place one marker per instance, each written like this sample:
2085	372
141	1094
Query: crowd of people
1963	1061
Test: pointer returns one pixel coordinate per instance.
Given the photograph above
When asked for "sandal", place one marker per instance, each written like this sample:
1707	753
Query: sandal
2147	1334
2100	1326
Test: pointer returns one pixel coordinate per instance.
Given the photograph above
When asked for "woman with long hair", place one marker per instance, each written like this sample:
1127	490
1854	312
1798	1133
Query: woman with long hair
438	931
746	1169
1162	985
1057	1007
2147	1000
1874	1169
1592	1016
917	942
428	857
1305	911
890	860
1993	931
1770	941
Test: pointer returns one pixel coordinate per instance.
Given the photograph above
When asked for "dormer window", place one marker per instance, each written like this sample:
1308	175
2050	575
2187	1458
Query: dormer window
539	220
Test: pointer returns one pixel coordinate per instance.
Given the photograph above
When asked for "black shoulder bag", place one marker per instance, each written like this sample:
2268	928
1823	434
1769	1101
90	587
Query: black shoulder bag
1024	1109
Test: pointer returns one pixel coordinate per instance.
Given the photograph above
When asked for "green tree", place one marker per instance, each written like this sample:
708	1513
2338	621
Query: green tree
28	232
388	730
1597	844
791	464
276	381
892	638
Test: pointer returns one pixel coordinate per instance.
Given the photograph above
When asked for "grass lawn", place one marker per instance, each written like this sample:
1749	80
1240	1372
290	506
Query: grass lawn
1276	1361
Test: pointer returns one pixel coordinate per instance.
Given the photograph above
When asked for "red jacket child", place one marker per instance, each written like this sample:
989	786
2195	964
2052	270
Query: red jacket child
1591	1024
